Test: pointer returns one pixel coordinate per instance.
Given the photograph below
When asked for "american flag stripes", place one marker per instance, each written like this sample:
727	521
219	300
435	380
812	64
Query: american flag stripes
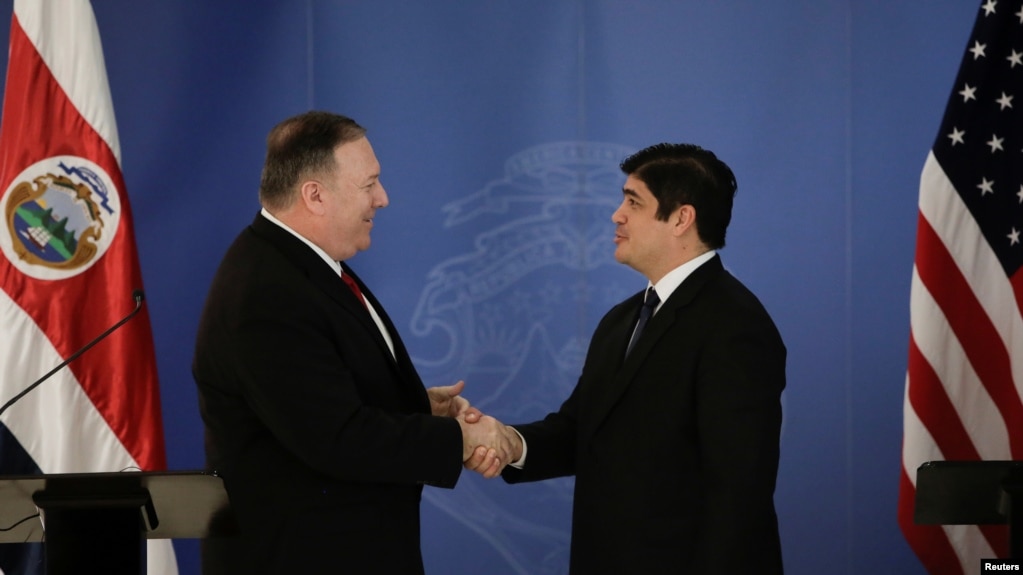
965	369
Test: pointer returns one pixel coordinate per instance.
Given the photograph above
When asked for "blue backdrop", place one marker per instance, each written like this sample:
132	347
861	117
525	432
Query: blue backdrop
499	126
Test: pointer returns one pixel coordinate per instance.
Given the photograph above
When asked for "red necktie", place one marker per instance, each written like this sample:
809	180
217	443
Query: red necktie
354	287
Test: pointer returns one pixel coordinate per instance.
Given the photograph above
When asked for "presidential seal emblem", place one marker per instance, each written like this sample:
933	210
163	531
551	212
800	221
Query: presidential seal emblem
61	215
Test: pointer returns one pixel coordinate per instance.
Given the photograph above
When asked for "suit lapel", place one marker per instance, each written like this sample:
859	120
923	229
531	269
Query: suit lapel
399	347
607	395
403	362
328	281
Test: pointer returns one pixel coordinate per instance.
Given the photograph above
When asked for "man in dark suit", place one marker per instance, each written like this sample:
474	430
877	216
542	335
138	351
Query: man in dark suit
674	443
314	414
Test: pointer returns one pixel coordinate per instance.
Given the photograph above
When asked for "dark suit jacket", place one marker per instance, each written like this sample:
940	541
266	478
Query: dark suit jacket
674	449
324	440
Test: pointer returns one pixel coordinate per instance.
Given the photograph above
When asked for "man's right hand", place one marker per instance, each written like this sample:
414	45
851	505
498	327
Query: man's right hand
488	445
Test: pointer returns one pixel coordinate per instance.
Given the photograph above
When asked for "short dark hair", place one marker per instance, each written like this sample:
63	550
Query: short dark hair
299	146
680	174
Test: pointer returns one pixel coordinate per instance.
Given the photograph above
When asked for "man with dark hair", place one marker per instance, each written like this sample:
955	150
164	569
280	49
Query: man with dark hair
314	414
672	431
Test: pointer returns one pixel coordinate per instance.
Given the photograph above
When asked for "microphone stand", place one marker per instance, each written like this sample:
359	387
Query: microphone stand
138	295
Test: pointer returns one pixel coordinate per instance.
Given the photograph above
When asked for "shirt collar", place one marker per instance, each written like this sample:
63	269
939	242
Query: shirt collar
334	265
670	282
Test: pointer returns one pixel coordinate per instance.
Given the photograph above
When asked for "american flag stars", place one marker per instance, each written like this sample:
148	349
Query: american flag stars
978	50
996	143
957	136
982	143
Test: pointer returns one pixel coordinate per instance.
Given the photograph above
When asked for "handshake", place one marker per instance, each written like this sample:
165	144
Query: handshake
487	444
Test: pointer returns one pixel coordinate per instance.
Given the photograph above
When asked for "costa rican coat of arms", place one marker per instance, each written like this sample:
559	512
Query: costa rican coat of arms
61	214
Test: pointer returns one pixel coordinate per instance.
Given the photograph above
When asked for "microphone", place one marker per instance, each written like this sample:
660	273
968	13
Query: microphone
138	295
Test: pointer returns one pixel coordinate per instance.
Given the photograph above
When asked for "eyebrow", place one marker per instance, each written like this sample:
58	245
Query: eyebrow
630	192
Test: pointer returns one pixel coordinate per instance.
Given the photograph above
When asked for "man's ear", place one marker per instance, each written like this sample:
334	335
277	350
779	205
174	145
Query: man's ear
683	219
311	196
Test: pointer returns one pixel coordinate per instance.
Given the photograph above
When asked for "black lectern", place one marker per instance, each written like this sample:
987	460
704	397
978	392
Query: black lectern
972	493
103	518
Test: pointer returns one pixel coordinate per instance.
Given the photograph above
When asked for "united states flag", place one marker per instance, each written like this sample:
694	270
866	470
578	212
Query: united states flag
965	368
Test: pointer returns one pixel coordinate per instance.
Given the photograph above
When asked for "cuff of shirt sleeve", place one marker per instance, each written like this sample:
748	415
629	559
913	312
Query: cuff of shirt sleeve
522	460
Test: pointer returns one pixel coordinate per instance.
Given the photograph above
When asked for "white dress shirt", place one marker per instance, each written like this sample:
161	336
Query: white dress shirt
336	266
664	288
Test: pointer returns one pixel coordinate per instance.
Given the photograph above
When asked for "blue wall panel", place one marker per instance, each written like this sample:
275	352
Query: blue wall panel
499	126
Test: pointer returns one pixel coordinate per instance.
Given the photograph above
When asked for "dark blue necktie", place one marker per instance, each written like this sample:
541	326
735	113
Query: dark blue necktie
649	305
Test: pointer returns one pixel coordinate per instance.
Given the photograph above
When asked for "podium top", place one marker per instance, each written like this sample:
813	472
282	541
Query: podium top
966	492
187	504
